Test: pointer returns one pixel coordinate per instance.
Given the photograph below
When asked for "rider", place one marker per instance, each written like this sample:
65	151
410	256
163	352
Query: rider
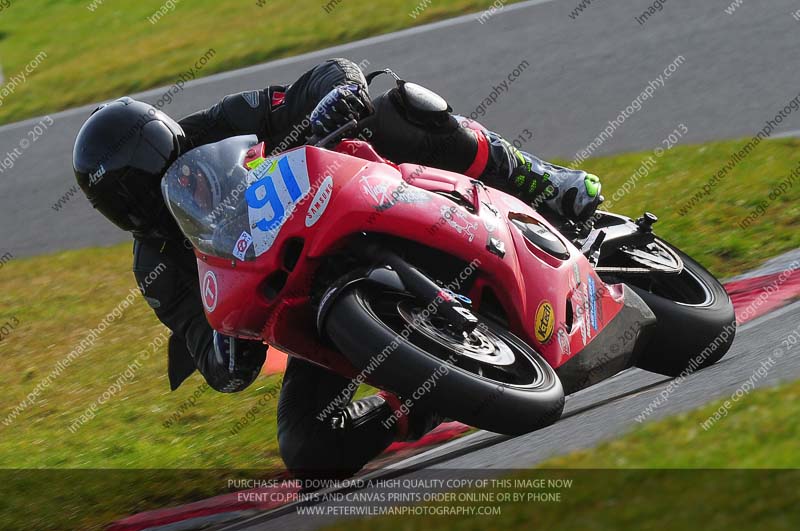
124	148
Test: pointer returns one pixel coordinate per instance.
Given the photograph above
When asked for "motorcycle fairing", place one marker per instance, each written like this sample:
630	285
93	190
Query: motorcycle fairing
558	305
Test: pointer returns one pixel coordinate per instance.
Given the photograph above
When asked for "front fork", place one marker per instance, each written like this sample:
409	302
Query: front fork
393	272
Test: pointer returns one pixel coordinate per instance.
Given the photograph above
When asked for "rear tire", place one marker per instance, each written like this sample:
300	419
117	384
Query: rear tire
696	325
364	323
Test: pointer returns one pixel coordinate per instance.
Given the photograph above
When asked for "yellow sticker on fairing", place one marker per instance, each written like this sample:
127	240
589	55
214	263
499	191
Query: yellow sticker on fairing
545	322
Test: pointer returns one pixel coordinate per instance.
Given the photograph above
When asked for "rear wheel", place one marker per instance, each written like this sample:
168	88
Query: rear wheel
489	378
696	321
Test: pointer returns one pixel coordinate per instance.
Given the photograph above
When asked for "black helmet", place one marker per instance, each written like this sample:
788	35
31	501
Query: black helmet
120	155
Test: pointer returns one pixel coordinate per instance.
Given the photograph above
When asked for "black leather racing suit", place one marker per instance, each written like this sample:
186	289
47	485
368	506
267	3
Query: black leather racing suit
344	442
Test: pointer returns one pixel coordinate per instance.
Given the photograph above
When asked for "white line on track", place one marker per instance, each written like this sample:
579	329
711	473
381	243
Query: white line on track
788	134
324	53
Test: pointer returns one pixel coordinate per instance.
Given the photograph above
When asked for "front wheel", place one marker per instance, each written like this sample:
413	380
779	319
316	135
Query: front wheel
489	378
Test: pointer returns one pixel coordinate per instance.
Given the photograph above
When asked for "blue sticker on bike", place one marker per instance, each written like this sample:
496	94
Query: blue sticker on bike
275	188
592	302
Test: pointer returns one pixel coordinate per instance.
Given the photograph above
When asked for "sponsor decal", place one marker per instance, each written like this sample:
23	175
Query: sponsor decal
255	163
592	302
210	291
375	189
278	97
457	218
385	195
320	201
580	300
274	189
545	322
563	342
576	273
242	245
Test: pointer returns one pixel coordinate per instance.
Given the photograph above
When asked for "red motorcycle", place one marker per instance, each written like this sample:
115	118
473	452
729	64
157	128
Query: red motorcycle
433	286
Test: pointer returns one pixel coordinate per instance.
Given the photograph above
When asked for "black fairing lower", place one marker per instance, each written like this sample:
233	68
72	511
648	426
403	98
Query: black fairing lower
614	349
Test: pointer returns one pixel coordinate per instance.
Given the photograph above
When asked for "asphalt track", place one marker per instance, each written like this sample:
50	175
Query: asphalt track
739	71
591	416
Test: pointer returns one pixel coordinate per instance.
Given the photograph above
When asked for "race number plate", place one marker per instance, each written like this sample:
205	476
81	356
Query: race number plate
274	190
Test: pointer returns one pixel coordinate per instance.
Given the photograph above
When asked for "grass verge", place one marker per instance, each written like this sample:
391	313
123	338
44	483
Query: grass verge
108	48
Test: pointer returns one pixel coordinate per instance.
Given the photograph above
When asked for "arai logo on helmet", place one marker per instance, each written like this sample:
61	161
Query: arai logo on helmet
320	201
96	176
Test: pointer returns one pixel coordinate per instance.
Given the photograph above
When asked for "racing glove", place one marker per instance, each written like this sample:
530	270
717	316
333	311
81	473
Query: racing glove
340	105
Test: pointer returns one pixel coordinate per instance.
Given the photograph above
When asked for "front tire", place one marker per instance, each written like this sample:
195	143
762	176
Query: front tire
493	380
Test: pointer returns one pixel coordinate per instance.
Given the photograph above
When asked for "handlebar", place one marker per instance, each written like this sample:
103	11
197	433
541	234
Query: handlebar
333	137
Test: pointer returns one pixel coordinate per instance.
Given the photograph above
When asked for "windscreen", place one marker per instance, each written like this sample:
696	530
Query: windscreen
204	190
227	210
